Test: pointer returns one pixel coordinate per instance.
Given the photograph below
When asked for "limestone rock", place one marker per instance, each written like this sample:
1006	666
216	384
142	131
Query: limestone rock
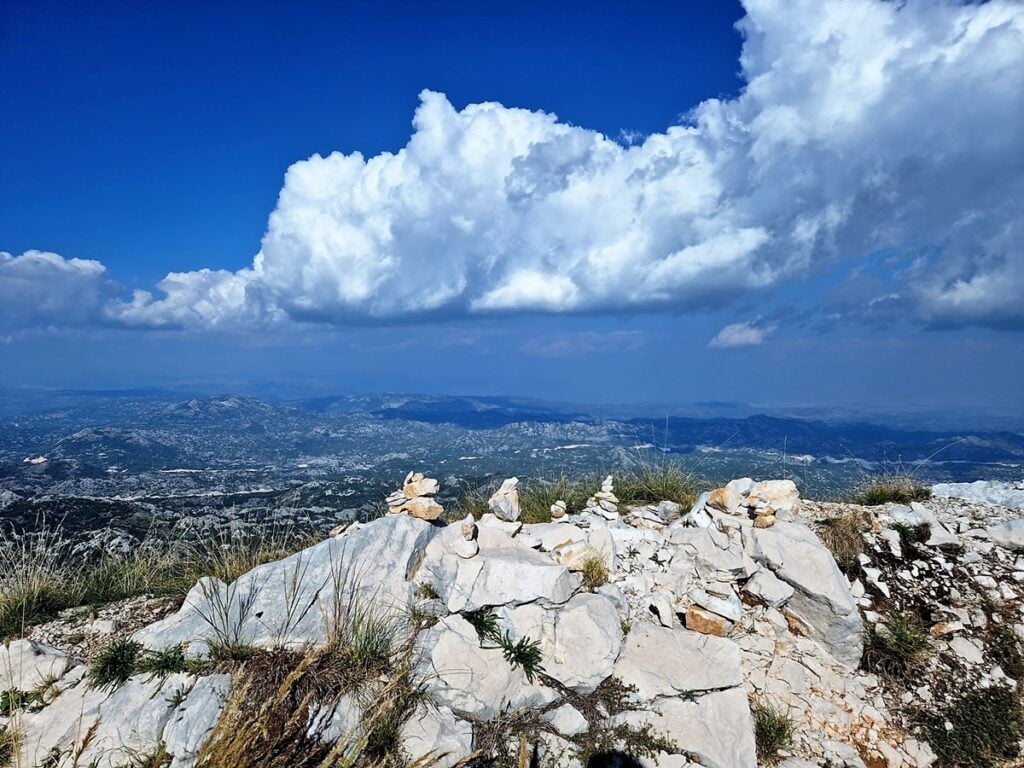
374	563
470	680
503	572
567	720
505	501
822	598
1008	535
715	728
194	718
669	662
768	588
579	641
435	731
701	620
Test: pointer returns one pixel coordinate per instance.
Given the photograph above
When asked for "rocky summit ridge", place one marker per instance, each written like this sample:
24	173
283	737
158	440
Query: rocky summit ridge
607	628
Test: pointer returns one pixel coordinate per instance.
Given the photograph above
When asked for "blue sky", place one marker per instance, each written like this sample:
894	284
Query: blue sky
821	205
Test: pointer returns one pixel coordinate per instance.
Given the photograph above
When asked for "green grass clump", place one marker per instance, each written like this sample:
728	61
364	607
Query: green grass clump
986	729
653	483
594	572
773	731
115	664
843	536
536	498
912	536
897	647
895	488
163	663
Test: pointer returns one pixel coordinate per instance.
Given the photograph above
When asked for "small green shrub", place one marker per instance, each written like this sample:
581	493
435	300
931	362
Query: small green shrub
115	664
524	653
484	621
912	535
985	729
895	488
426	591
843	536
897	647
594	572
163	663
227	651
773	731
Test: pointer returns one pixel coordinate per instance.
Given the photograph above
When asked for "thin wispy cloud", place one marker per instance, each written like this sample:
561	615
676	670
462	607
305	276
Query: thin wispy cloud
862	125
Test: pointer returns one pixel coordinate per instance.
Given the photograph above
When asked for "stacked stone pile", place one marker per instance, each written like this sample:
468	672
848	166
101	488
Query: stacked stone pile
416	498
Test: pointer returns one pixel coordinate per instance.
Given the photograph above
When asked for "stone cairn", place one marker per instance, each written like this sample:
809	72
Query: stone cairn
416	498
763	502
604	502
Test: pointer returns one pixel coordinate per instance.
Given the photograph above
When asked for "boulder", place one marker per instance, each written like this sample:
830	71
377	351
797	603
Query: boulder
374	563
672	662
194	718
505	501
768	588
1008	535
25	664
502	573
435	731
579	642
716	729
821	599
472	681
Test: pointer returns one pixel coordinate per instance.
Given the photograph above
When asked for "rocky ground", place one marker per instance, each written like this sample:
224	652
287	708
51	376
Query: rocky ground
670	634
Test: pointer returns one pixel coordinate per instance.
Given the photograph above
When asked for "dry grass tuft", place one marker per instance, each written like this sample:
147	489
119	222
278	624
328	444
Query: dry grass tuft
594	572
896	488
843	536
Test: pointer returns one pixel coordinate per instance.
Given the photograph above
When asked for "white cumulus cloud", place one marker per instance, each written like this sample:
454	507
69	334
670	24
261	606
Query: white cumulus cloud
40	289
863	125
741	335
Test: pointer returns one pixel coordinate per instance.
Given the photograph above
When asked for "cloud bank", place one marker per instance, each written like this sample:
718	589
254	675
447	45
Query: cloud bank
863	125
41	289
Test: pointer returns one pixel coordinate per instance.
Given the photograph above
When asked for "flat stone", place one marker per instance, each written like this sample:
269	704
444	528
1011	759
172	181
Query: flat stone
579	642
701	620
671	662
567	720
716	729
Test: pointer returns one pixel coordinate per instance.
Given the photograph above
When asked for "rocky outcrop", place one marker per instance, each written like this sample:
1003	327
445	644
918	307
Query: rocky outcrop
702	613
